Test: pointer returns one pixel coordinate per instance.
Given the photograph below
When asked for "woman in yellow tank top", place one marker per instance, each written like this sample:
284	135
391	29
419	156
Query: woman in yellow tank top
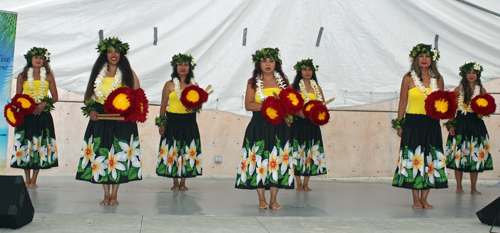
309	155
35	140
421	163
266	162
111	152
179	154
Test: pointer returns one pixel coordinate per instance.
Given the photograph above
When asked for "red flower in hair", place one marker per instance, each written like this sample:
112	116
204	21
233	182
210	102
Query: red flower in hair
193	97
483	104
140	108
272	111
120	101
441	105
319	114
291	100
13	117
24	103
308	106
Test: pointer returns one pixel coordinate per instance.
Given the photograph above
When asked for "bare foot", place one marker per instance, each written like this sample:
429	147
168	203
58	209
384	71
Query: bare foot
475	192
105	201
33	185
28	183
428	206
300	188
263	205
417	205
183	187
114	202
275	206
306	188
460	191
175	187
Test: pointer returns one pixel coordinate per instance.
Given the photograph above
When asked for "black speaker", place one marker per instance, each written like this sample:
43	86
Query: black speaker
16	209
489	213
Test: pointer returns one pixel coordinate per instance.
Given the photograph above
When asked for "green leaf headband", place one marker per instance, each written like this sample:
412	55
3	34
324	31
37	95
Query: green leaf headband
305	63
261	55
111	43
470	66
180	58
35	51
425	48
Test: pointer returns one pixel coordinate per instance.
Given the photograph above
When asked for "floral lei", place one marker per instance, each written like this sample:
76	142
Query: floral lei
303	90
43	83
100	77
461	105
177	86
420	86
260	84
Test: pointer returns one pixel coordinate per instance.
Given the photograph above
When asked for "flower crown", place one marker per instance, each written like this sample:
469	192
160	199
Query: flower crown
469	67
425	48
180	58
261	55
305	63
111	43
36	51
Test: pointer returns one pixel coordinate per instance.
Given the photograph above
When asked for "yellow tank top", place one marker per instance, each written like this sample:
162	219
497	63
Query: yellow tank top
36	91
267	92
416	101
311	96
105	88
174	104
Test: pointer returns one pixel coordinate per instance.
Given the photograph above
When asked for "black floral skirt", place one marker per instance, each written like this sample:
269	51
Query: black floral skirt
111	152
308	153
266	160
179	155
35	143
421	163
469	149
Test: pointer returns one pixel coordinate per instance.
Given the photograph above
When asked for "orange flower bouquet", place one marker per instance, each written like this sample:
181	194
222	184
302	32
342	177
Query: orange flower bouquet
441	105
483	104
291	100
272	111
24	103
193	97
14	117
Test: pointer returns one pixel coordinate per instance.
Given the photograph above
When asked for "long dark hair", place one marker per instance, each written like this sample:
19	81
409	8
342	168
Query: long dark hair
176	75
299	77
24	73
468	92
123	65
257	70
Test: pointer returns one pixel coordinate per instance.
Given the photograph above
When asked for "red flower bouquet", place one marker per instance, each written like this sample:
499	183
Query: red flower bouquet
193	97
319	114
14	117
483	104
441	105
272	111
308	107
291	100
24	103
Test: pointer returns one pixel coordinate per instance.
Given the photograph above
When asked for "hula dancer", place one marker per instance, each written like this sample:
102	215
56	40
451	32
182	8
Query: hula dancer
468	145
35	140
421	163
111	153
265	163
179	154
309	156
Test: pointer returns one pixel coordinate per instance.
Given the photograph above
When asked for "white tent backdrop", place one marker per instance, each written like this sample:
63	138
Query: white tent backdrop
363	52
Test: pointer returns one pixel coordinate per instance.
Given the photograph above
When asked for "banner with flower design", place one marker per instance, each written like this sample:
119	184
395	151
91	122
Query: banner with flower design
8	24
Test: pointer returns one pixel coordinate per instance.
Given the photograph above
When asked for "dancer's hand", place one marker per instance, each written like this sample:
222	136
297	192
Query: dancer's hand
400	132
452	131
93	115
39	108
161	130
